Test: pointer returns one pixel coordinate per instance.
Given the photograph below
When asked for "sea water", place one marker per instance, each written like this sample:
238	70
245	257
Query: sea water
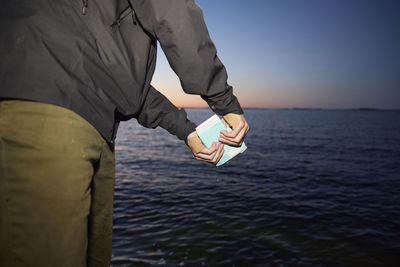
314	188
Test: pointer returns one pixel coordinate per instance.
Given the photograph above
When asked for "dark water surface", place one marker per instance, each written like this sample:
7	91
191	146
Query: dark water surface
314	188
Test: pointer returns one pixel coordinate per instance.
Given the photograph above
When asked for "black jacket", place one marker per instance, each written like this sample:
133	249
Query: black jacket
97	58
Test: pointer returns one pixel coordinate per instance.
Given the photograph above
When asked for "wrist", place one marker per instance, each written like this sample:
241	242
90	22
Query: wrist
194	142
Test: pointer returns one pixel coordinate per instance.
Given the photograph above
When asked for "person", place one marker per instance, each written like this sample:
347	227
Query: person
71	70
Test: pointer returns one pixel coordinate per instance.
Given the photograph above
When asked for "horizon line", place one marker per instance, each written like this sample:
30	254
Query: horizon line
302	108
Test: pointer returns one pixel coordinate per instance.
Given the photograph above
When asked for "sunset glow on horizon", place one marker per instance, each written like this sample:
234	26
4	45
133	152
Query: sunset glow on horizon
308	54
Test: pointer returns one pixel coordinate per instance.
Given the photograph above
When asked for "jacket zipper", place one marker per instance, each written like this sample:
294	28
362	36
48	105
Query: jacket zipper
85	5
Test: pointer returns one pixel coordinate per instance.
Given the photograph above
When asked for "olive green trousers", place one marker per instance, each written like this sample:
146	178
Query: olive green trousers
56	188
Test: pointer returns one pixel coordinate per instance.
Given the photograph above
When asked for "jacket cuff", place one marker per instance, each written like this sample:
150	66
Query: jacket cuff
177	124
187	129
229	104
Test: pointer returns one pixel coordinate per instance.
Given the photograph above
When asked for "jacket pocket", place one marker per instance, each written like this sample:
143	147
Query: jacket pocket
125	15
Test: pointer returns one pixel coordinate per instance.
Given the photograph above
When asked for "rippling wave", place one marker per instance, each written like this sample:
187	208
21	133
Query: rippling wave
314	188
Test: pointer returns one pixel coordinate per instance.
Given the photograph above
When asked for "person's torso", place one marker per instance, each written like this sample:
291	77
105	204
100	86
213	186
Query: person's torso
97	64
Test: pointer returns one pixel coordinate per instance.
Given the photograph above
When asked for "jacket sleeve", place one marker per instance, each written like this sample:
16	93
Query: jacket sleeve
157	110
181	31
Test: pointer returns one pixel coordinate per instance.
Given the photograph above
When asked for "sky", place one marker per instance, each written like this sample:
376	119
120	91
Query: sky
301	53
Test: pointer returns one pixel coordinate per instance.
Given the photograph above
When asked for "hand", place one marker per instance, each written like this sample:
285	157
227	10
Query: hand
239	129
202	153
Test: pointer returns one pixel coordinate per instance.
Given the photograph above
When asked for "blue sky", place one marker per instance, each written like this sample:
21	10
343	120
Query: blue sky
302	53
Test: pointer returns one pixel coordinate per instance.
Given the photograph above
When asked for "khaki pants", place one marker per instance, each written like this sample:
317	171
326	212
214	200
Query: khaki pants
56	188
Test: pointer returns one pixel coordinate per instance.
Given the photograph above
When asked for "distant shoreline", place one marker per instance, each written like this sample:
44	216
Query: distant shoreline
305	109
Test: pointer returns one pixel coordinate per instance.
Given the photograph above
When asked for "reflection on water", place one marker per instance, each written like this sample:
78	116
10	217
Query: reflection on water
313	188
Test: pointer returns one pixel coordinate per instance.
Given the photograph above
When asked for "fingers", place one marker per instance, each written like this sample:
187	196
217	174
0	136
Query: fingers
234	132
219	154
202	153
236	136
208	152
215	152
212	154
